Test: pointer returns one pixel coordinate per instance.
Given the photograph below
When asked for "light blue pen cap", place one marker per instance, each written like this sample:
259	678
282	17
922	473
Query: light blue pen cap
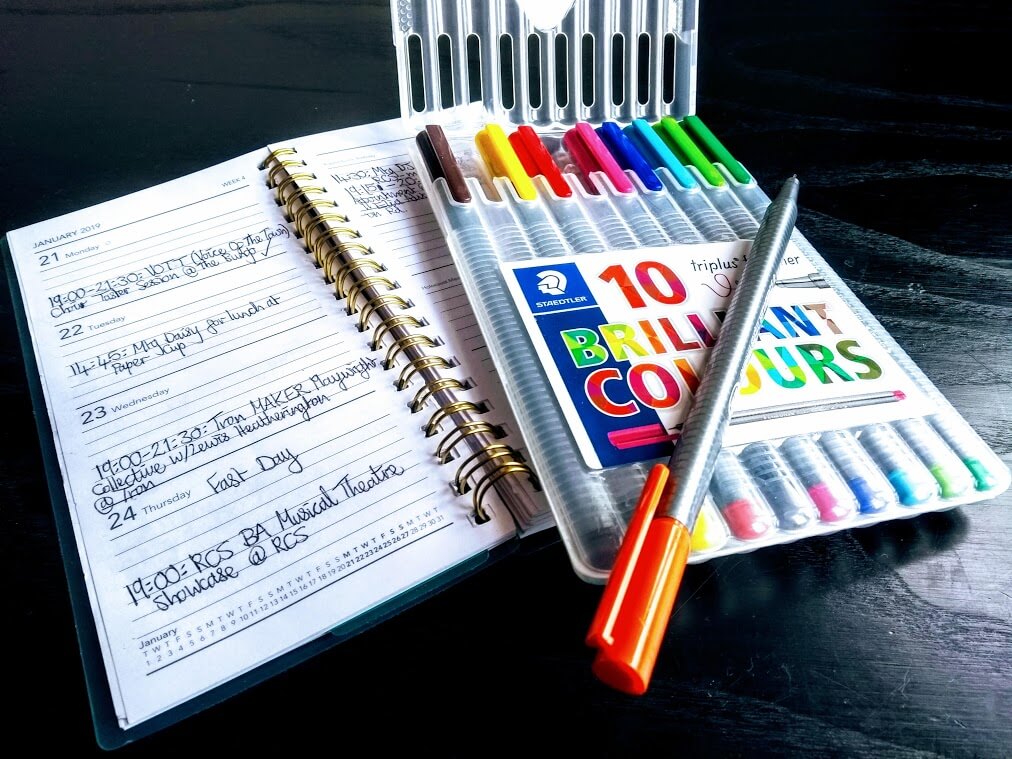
657	153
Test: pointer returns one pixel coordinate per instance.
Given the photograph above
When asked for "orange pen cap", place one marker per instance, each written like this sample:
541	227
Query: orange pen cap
630	622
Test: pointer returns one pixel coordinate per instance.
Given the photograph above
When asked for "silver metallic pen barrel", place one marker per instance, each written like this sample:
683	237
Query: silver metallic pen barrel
696	452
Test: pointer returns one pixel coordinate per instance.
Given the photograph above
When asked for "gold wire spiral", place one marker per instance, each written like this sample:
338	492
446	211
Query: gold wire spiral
301	196
404	343
292	180
307	206
328	235
489	480
357	289
423	394
476	461
361	247
330	257
320	251
388	324
325	254
418	364
320	218
280	166
380	300
444	451
444	411
344	270
276	153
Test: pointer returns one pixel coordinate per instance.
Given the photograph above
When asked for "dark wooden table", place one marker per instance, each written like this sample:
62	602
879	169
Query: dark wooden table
893	640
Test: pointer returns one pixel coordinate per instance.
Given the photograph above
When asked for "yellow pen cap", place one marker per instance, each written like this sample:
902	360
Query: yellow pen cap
502	160
709	533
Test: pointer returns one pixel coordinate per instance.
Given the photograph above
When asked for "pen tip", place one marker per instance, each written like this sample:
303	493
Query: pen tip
790	189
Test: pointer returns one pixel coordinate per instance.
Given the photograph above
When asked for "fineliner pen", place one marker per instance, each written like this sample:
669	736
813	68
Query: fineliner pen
738	500
657	153
528	386
962	441
682	145
519	192
576	226
735	176
586	210
863	477
556	192
544	235
828	492
606	220
751	196
537	161
626	155
909	477
658	202
630	621
777	484
474	242
502	161
710	533
711	180
683	188
744	186
593	158
714	150
650	434
670	217
731	209
953	478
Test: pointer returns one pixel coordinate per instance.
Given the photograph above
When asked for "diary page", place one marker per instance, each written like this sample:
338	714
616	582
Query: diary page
240	472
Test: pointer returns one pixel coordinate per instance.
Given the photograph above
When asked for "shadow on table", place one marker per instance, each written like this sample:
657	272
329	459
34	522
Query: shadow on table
814	567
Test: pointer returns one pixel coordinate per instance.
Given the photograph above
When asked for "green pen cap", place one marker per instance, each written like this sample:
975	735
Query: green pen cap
713	148
952	485
686	150
982	478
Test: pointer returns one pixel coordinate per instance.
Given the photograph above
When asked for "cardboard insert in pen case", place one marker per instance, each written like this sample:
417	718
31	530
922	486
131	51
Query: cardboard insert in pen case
815	469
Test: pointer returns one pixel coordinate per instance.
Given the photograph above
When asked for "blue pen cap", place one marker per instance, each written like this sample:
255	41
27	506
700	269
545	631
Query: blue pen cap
912	481
866	481
656	153
627	156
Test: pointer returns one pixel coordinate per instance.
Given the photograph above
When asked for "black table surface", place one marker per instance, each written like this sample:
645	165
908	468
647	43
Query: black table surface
893	640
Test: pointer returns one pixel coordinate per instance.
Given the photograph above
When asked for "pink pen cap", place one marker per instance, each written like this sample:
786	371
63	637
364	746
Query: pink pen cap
591	154
825	486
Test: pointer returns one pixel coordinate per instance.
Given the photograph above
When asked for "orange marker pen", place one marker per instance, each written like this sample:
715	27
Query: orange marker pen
633	615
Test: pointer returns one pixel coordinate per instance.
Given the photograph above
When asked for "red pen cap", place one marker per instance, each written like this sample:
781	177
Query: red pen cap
537	160
630	622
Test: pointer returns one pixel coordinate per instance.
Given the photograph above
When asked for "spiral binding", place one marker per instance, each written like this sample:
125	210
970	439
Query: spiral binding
347	262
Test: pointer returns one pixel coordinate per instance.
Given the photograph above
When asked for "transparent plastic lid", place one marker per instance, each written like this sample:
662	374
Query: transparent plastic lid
547	63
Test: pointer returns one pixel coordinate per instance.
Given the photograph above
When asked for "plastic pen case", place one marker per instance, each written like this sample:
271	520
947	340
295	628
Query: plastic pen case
593	192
